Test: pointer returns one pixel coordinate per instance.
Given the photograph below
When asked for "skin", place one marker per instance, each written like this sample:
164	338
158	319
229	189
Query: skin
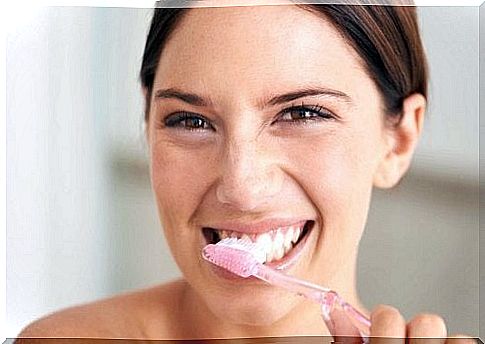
247	163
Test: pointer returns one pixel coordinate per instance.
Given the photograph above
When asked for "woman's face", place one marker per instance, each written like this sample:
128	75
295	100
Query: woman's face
263	120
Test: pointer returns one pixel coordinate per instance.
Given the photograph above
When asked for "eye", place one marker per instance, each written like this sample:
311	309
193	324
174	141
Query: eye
188	121
305	113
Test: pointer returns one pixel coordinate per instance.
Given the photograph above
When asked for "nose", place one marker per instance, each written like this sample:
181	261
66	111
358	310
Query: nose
250	177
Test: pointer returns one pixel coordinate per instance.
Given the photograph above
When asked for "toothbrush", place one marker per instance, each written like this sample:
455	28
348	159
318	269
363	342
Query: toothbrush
245	259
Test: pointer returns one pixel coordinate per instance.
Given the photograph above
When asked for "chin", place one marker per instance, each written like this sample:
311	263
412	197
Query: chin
258	311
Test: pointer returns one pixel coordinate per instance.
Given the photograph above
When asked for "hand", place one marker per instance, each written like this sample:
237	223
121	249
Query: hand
389	326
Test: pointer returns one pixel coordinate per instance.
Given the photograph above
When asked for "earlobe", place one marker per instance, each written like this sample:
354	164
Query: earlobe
401	142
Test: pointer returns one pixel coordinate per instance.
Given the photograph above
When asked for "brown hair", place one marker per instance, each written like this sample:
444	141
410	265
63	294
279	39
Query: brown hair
386	38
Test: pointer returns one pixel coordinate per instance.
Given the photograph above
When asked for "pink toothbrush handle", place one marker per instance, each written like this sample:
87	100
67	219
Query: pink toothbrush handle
343	320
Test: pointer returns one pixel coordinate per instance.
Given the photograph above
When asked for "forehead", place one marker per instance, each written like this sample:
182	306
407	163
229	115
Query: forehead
253	48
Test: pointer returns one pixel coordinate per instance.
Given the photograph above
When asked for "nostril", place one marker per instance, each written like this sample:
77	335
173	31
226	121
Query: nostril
245	198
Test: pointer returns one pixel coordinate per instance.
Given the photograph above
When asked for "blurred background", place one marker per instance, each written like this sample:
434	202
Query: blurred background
81	219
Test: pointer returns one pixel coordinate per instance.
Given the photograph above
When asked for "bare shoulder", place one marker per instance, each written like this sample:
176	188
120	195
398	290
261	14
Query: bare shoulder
127	315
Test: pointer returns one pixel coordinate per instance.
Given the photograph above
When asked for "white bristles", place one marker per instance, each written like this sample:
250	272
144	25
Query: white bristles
245	244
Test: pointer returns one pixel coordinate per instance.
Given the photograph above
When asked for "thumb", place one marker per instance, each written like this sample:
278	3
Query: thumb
340	326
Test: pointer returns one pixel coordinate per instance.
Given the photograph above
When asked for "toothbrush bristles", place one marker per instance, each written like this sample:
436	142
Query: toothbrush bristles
240	257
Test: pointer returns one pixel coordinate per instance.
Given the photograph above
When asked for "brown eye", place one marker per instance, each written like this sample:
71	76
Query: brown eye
305	114
194	122
188	121
295	114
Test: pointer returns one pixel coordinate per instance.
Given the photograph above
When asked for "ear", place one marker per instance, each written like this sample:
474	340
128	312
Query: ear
400	142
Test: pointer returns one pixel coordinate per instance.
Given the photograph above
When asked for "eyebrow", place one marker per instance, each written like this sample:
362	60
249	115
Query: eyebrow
197	100
190	98
308	92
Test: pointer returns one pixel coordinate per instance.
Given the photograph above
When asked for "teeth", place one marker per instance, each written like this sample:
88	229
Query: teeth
278	248
288	238
296	234
269	256
265	241
275	243
279	252
279	238
288	248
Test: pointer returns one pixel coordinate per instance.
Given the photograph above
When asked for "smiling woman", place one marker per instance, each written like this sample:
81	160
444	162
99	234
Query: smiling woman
272	124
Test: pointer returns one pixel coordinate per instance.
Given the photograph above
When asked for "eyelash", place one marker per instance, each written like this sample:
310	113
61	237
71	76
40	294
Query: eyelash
177	119
319	113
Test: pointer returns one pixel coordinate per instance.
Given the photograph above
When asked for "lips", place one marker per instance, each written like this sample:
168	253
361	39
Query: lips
279	242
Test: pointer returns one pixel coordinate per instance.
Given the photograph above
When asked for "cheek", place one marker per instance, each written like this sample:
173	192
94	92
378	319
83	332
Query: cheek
179	184
179	179
337	172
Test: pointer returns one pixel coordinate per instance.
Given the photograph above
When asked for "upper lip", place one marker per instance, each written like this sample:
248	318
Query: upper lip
258	227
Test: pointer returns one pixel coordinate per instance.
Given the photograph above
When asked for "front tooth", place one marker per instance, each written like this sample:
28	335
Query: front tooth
222	234
233	235
296	234
246	238
278	242
265	241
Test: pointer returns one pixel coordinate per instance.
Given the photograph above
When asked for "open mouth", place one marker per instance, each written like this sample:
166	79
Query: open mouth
277	243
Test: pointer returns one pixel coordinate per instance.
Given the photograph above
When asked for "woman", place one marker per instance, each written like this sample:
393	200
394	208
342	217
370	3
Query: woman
262	120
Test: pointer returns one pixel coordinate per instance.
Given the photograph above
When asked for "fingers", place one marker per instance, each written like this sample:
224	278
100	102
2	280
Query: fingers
430	326
343	327
387	326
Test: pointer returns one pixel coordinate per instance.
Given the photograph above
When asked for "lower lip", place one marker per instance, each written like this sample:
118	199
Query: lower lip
283	264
